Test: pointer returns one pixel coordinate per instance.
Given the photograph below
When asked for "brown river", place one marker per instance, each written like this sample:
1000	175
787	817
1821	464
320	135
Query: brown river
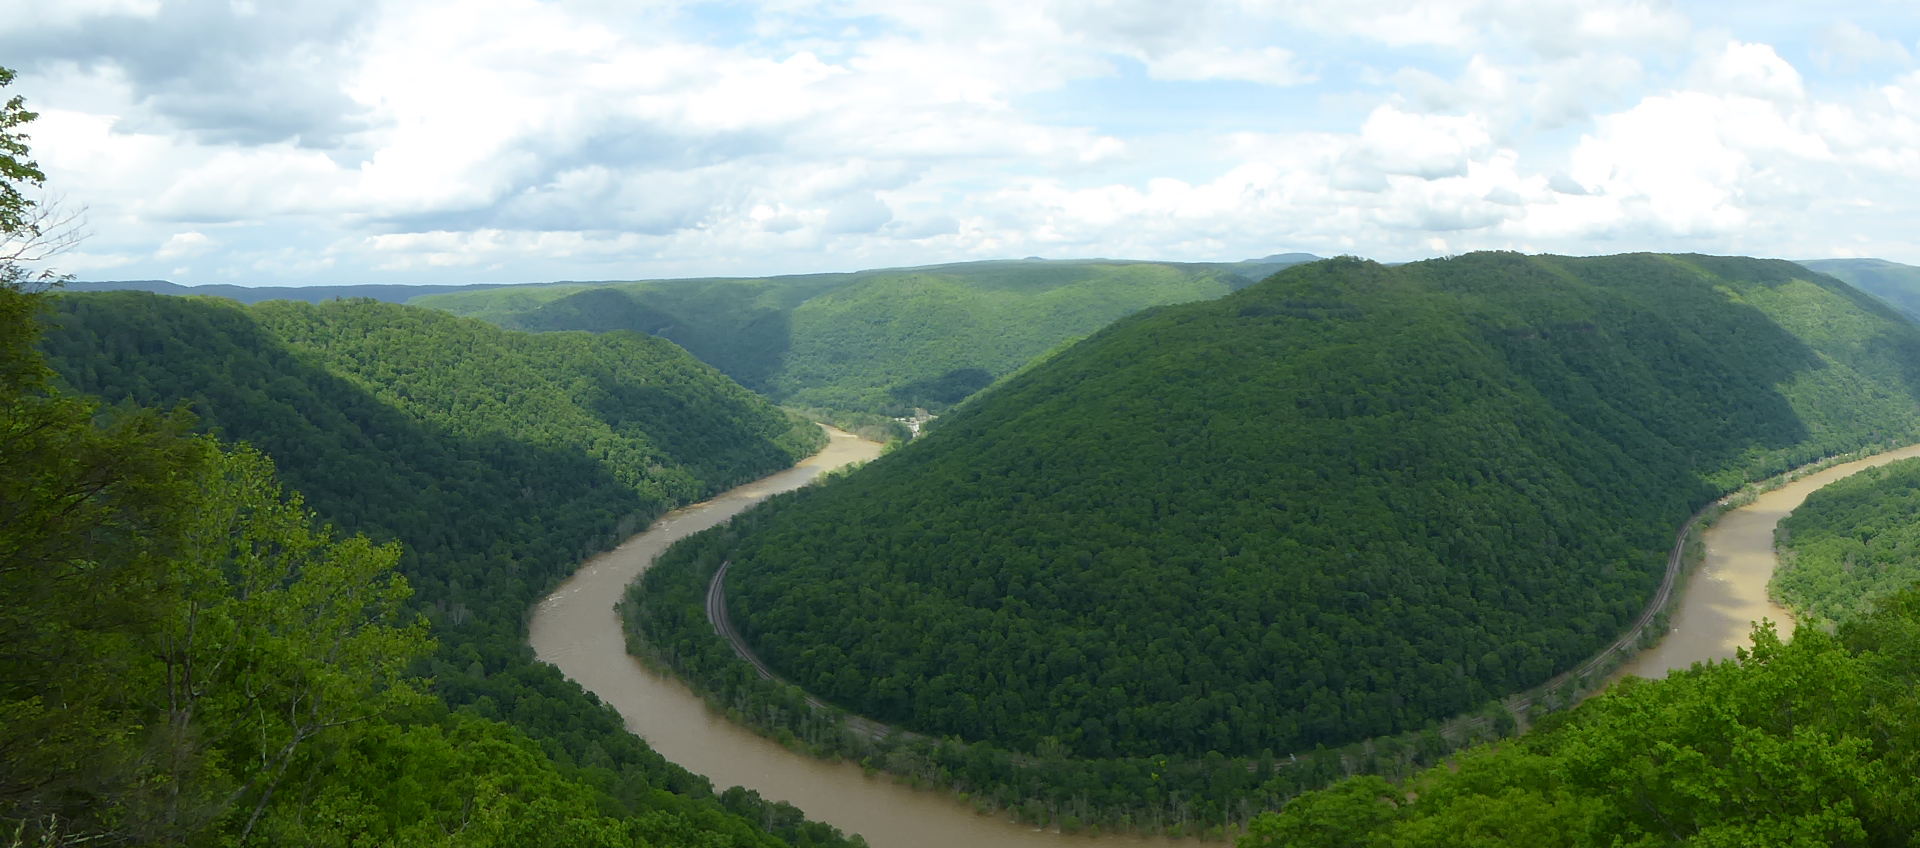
577	630
1728	590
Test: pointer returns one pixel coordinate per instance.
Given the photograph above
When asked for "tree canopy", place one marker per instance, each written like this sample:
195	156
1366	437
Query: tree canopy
1343	503
1851	544
483	465
1810	743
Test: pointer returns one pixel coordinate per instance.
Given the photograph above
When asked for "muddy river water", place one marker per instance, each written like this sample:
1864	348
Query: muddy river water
577	630
1728	590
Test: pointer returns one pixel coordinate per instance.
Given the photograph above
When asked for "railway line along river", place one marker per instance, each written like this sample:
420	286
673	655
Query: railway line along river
576	629
1728	590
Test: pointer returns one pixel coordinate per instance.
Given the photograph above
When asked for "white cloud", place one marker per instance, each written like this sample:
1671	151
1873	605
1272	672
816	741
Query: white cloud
536	140
1268	66
185	244
1753	70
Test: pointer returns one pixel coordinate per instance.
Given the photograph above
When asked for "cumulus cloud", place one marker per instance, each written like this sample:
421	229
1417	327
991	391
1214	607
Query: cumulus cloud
184	244
515	139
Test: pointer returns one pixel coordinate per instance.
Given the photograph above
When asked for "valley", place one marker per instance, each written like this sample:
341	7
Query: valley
762	425
870	343
1551	418
577	629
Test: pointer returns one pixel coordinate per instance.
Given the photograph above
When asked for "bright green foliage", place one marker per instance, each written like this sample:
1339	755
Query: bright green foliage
873	341
16	170
1852	543
467	782
1344	503
1807	744
272	635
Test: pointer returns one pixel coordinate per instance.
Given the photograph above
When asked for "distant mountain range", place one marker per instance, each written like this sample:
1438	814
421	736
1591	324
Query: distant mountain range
1890	281
256	294
886	340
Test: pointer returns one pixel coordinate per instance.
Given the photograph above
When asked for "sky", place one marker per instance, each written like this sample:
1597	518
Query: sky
423	141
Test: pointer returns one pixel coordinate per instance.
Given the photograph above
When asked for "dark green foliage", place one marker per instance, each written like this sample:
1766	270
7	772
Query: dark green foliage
1345	503
1156	794
497	460
942	391
1852	543
1811	743
741	327
873	341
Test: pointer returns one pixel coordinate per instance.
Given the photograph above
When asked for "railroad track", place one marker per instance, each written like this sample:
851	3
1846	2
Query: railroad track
723	625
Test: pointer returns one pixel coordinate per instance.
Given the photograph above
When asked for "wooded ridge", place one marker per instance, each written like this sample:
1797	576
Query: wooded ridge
481	465
1344	503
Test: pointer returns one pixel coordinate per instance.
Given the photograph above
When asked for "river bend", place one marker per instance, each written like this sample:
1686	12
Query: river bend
1728	590
576	629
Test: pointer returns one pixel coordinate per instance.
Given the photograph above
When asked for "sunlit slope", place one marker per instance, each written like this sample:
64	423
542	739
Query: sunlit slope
1340	503
1890	281
885	340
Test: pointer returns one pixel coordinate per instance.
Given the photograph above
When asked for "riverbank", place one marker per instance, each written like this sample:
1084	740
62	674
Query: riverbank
1727	593
685	729
576	629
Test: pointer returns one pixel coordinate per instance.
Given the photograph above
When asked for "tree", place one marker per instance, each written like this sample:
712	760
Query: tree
276	635
16	210
30	230
88	520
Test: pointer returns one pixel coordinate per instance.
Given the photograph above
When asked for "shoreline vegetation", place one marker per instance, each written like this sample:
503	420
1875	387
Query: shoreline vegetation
1850	545
1212	797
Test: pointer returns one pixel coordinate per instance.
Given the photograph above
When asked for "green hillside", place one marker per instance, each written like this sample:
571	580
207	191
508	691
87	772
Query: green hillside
1852	543
1890	281
872	341
1812	743
1345	502
496	460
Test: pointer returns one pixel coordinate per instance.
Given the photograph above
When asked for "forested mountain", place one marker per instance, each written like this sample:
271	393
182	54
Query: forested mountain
1342	503
1851	544
1890	281
495	461
873	341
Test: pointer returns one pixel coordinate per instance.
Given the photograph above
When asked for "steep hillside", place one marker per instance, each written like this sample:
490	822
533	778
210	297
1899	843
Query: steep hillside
1809	743
1890	281
1852	544
873	341
496	459
1342	503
